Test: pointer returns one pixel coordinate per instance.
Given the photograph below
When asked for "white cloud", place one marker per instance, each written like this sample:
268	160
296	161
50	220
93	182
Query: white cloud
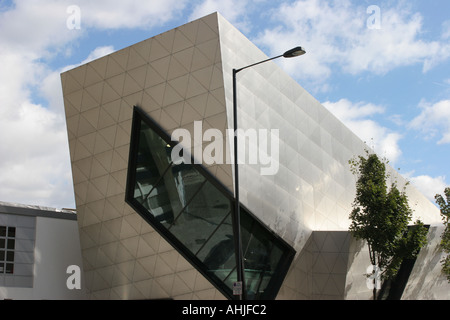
434	120
446	30
98	53
35	164
33	143
38	25
35	161
115	14
233	10
429	186
336	34
356	116
34	26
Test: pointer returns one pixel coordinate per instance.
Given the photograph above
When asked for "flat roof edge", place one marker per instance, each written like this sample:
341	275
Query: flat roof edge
37	211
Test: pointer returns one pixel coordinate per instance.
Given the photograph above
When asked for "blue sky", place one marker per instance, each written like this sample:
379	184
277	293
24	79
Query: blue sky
382	67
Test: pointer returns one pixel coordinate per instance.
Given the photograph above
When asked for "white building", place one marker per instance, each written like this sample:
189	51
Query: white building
37	245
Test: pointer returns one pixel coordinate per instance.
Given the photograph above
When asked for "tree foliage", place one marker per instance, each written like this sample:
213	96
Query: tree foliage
381	215
444	204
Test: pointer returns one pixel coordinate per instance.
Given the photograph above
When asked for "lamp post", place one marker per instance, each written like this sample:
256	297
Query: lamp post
294	52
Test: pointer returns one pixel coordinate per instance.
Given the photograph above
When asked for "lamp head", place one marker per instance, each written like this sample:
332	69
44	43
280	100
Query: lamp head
294	52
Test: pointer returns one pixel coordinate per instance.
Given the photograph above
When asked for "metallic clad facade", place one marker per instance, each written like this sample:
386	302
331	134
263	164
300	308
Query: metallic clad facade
182	76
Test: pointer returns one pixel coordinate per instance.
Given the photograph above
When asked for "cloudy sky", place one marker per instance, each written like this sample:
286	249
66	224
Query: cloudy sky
382	67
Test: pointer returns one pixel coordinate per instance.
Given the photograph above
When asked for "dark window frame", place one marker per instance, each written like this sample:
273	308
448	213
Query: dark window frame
7	249
288	252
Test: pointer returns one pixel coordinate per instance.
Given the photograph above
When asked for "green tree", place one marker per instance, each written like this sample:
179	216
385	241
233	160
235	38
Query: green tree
380	216
444	204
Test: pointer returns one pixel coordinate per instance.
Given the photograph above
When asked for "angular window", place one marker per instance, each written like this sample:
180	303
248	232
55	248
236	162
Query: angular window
193	211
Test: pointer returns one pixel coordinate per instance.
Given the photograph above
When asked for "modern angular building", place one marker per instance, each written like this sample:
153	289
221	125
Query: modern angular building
154	227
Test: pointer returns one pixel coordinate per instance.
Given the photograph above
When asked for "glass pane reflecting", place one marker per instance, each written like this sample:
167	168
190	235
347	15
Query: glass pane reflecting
152	187
261	256
204	211
217	252
185	183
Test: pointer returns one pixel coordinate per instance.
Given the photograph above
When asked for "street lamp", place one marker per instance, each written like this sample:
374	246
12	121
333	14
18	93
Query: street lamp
294	52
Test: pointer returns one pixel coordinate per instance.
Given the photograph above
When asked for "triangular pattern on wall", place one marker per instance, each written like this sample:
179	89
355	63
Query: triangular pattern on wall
163	74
